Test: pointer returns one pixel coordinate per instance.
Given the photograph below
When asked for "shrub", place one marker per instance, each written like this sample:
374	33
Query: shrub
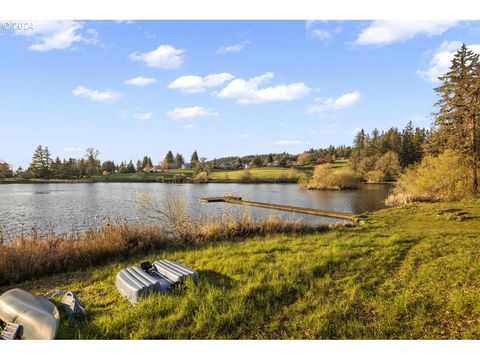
444	177
178	178
389	165
324	178
291	176
247	177
366	165
375	176
201	177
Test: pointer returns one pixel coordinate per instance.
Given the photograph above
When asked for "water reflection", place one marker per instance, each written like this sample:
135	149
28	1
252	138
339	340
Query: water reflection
73	207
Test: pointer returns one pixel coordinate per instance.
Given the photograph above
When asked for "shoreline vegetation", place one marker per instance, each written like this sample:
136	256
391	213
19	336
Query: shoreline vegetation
272	279
20	260
248	176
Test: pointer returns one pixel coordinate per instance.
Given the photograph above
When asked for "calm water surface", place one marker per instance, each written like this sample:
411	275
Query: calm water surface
73	207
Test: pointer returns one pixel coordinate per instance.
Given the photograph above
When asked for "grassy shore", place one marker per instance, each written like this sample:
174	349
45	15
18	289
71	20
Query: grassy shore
255	175
411	272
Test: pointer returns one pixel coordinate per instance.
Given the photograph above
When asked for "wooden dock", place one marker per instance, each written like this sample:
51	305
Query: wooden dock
295	209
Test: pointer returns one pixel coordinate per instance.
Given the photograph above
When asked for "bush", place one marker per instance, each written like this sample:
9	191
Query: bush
445	177
178	178
289	177
375	176
324	178
201	177
247	177
389	165
366	165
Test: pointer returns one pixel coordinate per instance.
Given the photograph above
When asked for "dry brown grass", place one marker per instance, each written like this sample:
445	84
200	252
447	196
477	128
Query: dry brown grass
38	255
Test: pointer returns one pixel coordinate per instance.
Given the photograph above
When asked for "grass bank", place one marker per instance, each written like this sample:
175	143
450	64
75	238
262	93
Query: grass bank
256	175
408	273
264	175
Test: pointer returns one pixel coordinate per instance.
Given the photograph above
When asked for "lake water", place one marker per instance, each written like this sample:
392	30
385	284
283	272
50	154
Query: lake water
74	207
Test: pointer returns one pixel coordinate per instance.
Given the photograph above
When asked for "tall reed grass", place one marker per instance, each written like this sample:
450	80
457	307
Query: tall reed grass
34	255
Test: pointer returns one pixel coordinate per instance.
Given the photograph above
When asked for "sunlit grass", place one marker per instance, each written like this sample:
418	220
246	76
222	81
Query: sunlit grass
409	272
260	174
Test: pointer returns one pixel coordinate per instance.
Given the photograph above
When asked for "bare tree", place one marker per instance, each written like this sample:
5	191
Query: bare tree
171	211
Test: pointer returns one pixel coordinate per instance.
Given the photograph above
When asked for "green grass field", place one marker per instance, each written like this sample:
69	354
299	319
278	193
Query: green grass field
143	177
263	174
406	273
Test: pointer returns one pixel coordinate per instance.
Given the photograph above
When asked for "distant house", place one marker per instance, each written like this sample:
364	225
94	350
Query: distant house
273	164
227	166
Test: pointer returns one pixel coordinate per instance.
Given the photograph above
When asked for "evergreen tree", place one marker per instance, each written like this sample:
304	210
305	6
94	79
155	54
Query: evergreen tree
179	161
122	169
194	159
144	161
169	161
407	154
40	165
457	122
108	166
130	167
57	170
359	149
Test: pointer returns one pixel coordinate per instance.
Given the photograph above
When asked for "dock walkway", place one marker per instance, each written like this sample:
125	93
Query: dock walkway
296	209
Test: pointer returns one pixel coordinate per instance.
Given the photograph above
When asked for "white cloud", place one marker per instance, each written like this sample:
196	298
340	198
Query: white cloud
54	35
163	57
442	59
190	113
189	126
248	92
143	115
245	136
343	101
105	96
384	32
73	149
321	34
291	143
322	30
140	81
194	84
233	48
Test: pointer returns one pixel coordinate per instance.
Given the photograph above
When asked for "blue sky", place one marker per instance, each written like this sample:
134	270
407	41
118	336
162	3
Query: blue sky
223	88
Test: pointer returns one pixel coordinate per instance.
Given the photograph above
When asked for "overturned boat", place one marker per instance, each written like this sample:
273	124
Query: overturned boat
136	282
36	317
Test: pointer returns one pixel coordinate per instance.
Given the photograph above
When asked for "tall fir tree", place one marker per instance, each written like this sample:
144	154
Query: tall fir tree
457	121
194	159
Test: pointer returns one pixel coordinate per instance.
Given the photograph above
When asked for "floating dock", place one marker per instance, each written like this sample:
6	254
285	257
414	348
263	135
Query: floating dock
296	209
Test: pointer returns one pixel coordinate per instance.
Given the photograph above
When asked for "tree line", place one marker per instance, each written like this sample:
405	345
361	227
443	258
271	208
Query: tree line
382	156
450	165
309	157
43	166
